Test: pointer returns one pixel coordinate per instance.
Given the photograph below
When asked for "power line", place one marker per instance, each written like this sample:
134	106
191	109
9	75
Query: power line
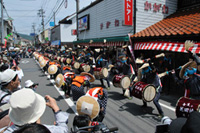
55	12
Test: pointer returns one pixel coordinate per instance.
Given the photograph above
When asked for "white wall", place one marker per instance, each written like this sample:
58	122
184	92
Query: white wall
66	35
109	10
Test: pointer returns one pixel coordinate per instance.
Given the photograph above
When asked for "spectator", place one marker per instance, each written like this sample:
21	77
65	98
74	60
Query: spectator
9	82
32	128
22	113
31	84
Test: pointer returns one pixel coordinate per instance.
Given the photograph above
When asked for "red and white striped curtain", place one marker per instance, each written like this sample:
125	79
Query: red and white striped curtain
166	46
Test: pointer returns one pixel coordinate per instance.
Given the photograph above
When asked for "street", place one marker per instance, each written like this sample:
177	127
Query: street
123	113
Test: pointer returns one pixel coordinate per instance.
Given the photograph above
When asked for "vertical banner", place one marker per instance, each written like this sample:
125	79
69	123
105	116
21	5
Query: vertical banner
128	12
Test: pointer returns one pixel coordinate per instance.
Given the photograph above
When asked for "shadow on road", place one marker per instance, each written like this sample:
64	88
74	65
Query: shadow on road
116	96
49	84
143	112
43	75
58	98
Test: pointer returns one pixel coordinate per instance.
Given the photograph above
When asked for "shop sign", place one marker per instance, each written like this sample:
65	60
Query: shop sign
128	12
73	32
83	23
108	23
156	7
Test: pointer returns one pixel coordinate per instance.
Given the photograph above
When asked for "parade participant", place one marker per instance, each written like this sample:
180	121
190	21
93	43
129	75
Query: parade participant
21	113
102	62
101	96
66	87
78	84
9	82
127	69
150	76
191	80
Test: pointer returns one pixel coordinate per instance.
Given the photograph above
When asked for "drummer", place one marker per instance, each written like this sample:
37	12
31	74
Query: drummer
101	96
127	68
102	62
191	80
78	84
150	76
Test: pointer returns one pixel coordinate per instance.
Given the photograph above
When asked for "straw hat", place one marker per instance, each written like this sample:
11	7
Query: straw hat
189	64
59	80
87	105
41	58
26	107
52	69
88	75
68	60
43	63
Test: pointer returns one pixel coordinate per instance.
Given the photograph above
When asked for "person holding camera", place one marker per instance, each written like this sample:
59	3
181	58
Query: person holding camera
22	113
83	123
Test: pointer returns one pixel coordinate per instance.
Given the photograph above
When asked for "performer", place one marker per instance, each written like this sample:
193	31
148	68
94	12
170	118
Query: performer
191	80
78	84
101	96
68	77
150	76
127	69
102	62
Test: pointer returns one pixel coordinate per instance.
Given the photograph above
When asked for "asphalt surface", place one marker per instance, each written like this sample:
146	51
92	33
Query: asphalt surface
123	113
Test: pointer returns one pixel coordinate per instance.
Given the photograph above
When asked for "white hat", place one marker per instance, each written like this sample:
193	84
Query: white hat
28	83
6	76
26	107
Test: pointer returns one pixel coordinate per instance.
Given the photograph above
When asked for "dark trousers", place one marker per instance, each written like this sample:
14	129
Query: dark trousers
156	103
108	83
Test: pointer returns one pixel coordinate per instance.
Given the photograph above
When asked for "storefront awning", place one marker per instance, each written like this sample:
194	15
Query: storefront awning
112	41
166	46
103	44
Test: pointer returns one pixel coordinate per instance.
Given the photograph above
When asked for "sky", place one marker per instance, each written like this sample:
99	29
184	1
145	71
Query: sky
25	12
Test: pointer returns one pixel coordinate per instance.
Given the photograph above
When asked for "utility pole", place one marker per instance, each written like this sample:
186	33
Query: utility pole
54	18
41	14
77	9
2	24
33	26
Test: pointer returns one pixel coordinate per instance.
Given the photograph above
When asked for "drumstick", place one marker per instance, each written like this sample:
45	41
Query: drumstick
139	61
160	55
167	72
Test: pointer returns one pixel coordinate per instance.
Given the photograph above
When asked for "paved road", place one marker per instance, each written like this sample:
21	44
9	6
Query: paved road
126	114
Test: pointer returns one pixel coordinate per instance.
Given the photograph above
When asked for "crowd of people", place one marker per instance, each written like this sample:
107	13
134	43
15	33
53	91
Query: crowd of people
69	68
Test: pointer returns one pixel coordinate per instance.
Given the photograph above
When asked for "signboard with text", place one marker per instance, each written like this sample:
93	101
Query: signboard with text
83	23
128	12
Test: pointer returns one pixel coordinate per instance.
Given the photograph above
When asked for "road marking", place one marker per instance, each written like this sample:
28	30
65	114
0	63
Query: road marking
168	107
67	100
25	61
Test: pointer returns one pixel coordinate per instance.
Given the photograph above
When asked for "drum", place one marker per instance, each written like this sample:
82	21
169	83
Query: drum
122	81
68	61
186	105
84	67
146	92
100	73
58	58
76	64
